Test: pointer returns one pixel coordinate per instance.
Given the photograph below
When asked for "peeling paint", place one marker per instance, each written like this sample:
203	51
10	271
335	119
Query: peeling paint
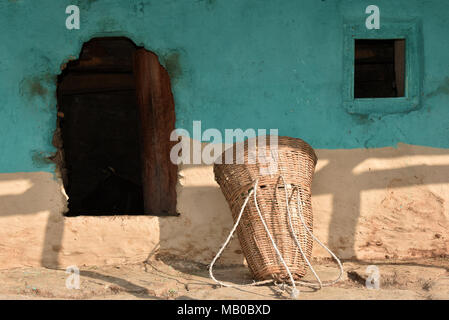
41	159
443	89
36	86
362	119
107	24
209	3
171	61
85	4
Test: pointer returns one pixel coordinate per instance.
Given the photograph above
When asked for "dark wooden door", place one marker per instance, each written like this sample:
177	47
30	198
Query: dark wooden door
157	121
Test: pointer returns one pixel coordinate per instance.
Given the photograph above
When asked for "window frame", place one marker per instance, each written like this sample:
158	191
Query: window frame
412	82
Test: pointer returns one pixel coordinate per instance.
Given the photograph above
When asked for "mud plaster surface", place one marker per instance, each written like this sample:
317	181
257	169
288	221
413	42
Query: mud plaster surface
388	203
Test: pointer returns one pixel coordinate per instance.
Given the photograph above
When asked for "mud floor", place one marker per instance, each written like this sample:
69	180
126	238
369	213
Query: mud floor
169	278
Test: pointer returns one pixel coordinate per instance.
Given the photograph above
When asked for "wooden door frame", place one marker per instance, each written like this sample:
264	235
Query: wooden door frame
157	121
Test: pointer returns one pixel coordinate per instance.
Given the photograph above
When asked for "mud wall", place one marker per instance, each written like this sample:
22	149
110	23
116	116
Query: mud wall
233	64
394	205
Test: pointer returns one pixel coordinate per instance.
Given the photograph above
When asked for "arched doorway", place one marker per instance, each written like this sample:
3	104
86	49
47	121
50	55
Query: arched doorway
115	116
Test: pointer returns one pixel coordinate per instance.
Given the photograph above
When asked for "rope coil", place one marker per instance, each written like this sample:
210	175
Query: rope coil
294	291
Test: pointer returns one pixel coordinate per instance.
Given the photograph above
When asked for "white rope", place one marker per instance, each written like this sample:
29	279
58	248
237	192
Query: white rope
301	217
231	233
295	292
290	223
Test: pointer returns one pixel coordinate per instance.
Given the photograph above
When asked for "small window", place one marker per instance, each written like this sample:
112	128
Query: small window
379	68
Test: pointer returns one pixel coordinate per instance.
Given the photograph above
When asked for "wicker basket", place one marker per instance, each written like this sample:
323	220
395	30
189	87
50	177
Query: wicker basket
296	162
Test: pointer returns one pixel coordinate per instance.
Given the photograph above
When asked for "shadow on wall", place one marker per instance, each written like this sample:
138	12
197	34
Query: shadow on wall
36	203
383	203
368	203
204	223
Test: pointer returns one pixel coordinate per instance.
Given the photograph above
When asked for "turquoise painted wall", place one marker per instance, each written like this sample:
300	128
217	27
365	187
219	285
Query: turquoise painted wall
233	63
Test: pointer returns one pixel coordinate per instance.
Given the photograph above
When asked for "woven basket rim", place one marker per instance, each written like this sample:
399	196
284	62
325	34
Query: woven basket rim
284	142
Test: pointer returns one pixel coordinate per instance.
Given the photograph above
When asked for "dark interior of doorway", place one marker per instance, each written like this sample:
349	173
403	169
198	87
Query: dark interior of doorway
98	121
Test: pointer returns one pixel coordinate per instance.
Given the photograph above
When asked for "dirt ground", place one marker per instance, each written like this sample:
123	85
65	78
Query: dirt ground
169	278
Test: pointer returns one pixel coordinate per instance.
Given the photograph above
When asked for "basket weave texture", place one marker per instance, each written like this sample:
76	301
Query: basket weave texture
296	162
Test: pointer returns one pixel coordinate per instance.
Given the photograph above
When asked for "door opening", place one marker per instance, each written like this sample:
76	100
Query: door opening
105	133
